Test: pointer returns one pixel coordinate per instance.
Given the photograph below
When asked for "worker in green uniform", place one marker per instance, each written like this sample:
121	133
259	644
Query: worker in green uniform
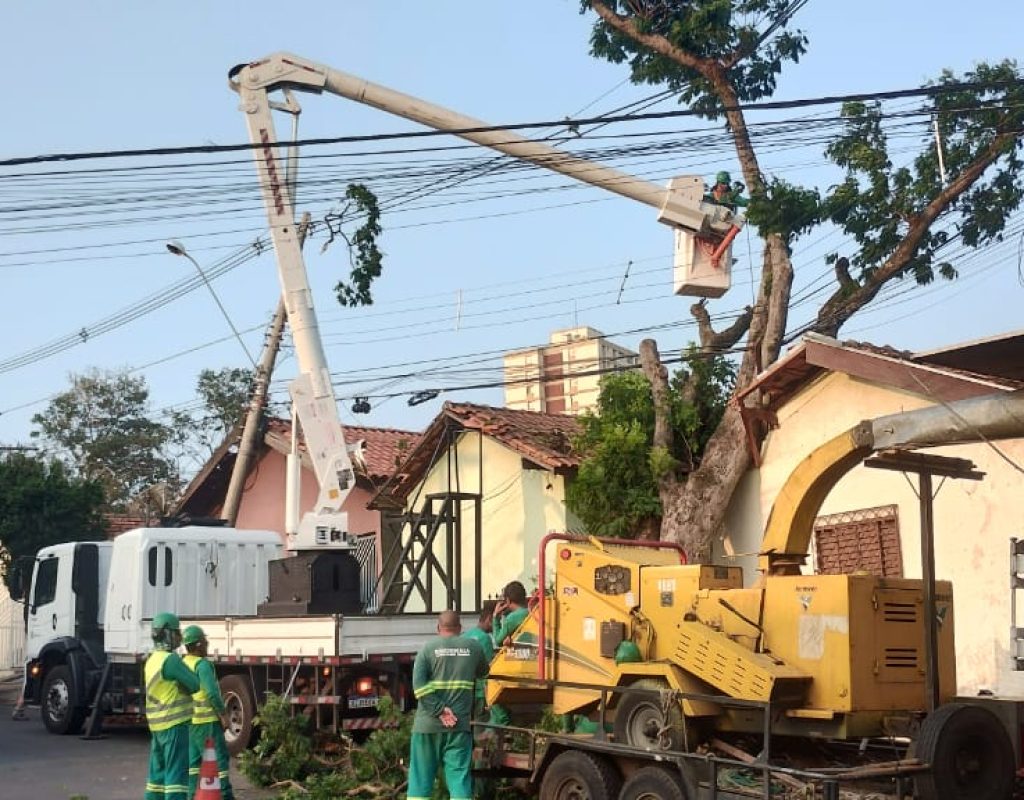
169	684
726	193
509	615
443	676
208	716
481	634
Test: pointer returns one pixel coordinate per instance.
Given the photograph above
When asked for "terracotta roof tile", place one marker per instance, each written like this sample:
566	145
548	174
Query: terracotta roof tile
543	438
385	448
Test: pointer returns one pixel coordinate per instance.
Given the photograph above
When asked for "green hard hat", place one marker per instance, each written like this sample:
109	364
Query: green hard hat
723	177
165	621
192	634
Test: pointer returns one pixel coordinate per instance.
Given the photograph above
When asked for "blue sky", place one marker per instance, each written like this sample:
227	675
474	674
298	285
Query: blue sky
465	275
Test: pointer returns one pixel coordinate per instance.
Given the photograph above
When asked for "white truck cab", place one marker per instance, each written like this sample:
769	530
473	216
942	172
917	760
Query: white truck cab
91	604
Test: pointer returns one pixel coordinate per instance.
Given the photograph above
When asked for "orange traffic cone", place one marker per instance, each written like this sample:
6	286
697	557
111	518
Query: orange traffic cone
209	779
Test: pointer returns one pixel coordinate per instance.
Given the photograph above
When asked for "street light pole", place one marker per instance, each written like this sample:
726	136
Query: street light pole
178	249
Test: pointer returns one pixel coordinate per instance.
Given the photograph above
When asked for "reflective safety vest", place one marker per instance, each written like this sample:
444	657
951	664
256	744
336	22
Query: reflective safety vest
166	704
202	711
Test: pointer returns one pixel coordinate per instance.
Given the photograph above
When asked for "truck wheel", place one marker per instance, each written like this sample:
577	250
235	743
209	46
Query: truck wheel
241	710
653	783
61	712
641	720
574	775
970	754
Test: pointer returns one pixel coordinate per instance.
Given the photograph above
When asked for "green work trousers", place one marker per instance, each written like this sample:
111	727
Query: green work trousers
452	750
197	736
168	764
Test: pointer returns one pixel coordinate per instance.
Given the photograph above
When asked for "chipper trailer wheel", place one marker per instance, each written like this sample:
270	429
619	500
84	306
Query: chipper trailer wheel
650	721
574	775
970	754
653	783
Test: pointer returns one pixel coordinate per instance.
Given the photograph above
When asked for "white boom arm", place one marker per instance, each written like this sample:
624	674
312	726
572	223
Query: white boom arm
678	207
312	393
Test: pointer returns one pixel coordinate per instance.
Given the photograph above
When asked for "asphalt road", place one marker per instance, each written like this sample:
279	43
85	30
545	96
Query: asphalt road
36	765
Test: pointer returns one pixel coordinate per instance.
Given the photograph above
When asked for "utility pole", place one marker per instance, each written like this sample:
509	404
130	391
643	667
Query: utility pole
265	368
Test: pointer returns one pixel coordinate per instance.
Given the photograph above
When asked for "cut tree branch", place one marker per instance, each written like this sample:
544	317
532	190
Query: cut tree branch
656	373
843	304
712	341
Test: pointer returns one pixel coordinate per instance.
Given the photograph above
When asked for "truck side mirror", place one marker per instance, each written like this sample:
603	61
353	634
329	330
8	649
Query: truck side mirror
21	577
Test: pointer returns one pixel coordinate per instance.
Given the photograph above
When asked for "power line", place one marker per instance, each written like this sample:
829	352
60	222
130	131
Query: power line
924	91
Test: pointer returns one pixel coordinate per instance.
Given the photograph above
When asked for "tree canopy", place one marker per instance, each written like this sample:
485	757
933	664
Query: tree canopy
42	504
902	219
103	429
615	491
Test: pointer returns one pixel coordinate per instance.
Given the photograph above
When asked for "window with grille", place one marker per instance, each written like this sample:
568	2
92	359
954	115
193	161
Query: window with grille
866	540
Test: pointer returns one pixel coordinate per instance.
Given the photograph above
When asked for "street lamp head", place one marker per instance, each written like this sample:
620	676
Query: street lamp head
177	248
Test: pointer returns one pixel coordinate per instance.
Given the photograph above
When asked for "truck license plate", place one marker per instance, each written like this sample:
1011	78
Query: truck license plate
362	702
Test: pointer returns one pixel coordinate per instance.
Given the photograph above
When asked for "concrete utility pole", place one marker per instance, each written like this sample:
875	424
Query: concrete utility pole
247	442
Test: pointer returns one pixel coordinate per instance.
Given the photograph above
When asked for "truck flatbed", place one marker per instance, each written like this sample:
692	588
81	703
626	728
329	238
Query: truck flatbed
323	636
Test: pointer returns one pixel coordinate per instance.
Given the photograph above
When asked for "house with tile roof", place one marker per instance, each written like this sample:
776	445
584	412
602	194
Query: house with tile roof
470	504
871	520
262	504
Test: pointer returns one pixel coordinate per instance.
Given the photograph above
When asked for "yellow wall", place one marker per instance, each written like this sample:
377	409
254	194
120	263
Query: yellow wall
519	507
973	520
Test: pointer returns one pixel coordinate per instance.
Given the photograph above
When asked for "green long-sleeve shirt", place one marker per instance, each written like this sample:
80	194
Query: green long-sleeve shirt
508	624
482	638
208	683
443	675
174	669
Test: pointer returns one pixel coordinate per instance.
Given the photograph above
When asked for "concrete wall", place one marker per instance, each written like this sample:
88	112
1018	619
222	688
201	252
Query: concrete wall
12	631
973	520
519	506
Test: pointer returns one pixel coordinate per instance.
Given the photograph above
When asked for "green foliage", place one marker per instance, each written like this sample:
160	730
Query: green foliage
785	209
364	255
615	492
748	38
225	397
101	427
284	751
878	202
41	504
382	758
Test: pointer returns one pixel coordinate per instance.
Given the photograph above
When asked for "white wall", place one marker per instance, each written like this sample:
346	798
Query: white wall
12	631
973	520
519	506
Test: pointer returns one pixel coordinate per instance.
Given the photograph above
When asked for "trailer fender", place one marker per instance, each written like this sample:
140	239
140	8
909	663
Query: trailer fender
677	679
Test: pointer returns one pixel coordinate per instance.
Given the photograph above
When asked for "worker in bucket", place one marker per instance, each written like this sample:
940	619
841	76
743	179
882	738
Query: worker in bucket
725	192
209	718
169	686
443	677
